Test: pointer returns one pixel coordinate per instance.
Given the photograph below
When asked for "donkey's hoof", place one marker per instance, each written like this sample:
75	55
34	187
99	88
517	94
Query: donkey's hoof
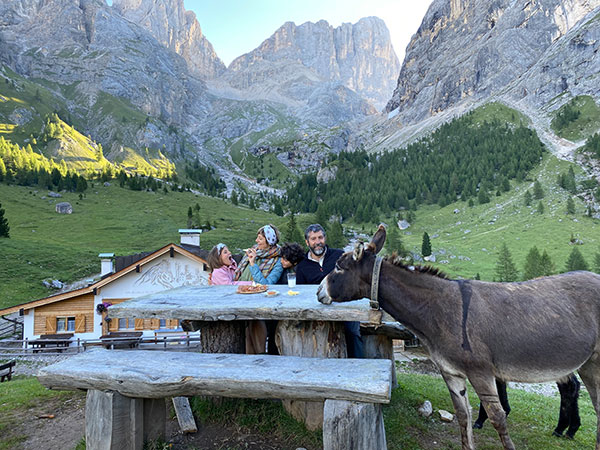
477	426
570	436
557	434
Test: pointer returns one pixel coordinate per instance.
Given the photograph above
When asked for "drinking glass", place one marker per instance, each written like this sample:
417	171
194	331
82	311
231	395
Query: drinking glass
291	277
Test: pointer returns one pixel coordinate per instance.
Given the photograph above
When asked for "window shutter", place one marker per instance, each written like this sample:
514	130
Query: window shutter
113	325
173	323
139	324
155	324
80	323
50	324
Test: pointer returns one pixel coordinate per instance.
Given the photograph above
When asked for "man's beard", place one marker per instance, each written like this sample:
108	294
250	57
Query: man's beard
318	249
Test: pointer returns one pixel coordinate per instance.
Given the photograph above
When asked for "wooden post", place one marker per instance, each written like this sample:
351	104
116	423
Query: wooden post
353	426
312	339
185	417
380	346
222	337
116	422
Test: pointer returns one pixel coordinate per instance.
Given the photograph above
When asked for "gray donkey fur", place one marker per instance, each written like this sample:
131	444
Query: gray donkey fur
533	331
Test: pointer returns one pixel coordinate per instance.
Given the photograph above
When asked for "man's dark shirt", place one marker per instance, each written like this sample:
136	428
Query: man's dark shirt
311	272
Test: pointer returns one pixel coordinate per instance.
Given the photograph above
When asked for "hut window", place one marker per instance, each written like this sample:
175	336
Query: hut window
126	324
163	323
65	324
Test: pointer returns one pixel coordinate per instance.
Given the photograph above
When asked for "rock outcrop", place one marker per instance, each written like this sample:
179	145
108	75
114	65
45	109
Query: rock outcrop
357	56
467	50
177	29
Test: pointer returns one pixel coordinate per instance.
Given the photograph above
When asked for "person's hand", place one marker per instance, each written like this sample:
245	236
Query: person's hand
251	253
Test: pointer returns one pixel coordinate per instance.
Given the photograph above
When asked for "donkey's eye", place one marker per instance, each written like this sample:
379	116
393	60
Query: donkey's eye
337	267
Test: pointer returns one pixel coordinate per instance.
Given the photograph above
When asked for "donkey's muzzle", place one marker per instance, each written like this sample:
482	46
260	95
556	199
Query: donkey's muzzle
322	294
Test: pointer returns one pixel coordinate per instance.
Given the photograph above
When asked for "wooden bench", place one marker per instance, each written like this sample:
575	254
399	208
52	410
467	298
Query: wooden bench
6	371
58	340
121	339
126	391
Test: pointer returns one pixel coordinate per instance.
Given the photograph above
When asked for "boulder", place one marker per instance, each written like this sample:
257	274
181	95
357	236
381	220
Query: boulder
64	208
54	194
425	409
403	224
445	416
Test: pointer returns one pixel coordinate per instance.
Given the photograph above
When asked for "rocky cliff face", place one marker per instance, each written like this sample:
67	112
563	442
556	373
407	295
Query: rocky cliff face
468	50
177	29
358	56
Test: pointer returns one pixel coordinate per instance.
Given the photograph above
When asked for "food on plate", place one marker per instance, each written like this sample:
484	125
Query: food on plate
272	293
290	292
243	289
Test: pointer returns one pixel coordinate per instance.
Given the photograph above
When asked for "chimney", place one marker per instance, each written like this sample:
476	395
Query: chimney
190	237
106	263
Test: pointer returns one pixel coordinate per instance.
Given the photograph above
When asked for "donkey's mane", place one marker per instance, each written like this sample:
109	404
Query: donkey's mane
395	260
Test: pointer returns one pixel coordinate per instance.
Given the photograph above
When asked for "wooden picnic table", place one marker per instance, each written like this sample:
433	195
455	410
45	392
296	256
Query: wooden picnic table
58	340
305	327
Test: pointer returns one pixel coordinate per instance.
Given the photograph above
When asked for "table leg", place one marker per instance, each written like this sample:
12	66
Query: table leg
310	339
222	337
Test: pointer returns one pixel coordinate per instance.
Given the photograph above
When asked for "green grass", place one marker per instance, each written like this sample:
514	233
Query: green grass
500	112
586	125
44	244
531	421
16	397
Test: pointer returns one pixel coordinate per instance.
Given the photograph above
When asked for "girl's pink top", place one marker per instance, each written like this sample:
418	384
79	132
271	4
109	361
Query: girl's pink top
226	275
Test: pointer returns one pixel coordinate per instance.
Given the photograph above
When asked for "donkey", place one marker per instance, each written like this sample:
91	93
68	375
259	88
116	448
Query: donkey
534	331
568	418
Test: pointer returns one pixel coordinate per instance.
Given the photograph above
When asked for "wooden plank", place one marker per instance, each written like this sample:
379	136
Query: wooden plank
212	303
353	426
185	417
174	374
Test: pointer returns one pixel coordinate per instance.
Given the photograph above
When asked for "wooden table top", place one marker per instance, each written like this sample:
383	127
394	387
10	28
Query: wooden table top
223	303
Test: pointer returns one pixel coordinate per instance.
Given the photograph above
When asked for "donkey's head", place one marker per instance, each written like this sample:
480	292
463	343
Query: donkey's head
351	278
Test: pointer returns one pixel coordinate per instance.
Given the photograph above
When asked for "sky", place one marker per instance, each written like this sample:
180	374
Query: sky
235	27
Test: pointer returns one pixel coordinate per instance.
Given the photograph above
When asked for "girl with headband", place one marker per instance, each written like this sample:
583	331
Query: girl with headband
223	266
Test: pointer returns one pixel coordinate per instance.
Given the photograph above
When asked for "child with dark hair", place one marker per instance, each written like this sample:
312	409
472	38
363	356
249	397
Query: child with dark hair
291	255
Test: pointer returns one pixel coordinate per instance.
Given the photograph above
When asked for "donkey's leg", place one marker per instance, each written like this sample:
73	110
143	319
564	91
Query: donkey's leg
482	417
488	394
590	374
458	392
569	409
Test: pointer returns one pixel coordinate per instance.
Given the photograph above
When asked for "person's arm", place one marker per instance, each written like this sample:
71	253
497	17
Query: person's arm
221	276
271	278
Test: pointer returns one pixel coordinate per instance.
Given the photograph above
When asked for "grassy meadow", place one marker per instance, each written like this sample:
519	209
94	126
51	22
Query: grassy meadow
531	421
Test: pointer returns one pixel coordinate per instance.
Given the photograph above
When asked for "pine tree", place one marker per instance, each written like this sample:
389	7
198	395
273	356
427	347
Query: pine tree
570	206
322	216
540	207
335	235
576	261
4	228
505	268
291	233
426	245
190	217
597	262
546	265
532	267
527	198
538	191
234	198
394	242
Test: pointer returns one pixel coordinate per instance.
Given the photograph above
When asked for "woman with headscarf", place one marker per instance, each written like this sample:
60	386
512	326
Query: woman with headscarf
262	264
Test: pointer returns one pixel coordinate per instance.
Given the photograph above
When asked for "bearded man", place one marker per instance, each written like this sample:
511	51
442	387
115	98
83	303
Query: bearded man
316	265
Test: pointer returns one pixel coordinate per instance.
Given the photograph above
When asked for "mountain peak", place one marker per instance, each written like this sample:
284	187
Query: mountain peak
360	56
175	28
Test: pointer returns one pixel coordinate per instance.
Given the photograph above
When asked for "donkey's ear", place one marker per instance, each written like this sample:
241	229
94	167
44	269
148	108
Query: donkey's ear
358	251
378	240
